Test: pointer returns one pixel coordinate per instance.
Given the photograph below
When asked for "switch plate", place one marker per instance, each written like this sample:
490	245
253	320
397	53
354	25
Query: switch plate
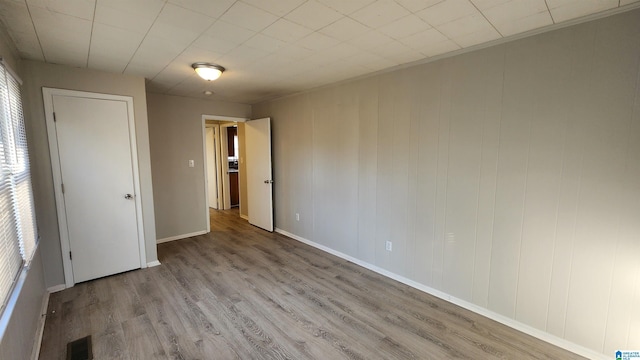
388	246
297	217
191	163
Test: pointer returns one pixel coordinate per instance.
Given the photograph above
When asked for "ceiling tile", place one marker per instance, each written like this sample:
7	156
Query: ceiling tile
470	30
241	56
82	9
229	32
179	26
194	54
342	50
216	45
417	5
265	43
248	17
483	5
316	41
286	30
276	7
29	46
212	8
515	16
380	13
447	11
346	7
313	15
370	40
111	48
404	27
464	26
345	29
430	42
294	53
563	10
173	74
15	16
155	53
523	24
135	16
64	38
514	9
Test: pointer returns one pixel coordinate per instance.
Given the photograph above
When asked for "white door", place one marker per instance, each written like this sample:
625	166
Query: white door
212	170
259	181
98	192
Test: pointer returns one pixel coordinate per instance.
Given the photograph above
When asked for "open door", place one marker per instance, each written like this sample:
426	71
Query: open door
212	168
259	180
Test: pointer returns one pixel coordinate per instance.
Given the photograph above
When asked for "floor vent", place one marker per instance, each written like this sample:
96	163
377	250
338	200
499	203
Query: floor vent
80	349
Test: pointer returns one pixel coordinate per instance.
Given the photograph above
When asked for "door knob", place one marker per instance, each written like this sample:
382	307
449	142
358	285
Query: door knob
128	196
268	181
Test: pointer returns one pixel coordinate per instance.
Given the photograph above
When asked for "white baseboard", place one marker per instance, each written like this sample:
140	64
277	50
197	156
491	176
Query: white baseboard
153	263
35	353
544	336
56	288
179	237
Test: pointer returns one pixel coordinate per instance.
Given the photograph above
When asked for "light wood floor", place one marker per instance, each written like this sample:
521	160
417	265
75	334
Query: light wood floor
242	293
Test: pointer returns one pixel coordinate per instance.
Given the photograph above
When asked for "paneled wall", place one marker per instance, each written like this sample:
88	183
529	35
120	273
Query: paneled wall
508	177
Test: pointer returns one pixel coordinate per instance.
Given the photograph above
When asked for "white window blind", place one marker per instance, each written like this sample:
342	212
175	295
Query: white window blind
18	237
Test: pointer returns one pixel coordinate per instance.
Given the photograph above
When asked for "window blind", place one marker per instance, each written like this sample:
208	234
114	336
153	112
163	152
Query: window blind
18	237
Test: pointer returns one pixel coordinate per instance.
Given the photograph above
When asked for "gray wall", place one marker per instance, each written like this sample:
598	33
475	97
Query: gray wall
38	75
508	177
175	130
19	337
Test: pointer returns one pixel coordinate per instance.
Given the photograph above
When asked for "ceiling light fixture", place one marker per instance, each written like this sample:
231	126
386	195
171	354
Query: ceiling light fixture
208	71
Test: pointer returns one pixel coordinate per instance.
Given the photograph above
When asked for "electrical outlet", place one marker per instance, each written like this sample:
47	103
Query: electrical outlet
388	246
191	163
297	217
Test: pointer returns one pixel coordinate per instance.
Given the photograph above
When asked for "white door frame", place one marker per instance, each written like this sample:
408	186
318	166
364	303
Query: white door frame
206	117
48	94
216	150
226	179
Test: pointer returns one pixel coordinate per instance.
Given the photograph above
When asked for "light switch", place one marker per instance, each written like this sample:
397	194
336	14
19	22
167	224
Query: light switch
191	163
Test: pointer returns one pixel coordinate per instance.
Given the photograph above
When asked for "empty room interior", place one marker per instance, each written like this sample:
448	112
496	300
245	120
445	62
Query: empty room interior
320	179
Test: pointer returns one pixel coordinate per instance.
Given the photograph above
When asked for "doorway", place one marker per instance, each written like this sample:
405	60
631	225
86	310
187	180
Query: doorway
93	154
245	155
224	170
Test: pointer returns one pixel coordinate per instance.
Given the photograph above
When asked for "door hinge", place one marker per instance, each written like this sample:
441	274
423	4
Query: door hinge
54	117
70	256
62	185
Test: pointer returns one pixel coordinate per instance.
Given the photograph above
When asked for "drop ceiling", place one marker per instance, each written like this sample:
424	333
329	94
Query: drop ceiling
270	48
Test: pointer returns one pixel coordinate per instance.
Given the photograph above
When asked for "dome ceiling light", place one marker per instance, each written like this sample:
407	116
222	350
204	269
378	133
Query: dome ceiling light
208	71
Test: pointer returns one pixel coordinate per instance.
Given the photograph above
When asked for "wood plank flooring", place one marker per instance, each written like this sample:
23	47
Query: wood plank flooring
242	293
